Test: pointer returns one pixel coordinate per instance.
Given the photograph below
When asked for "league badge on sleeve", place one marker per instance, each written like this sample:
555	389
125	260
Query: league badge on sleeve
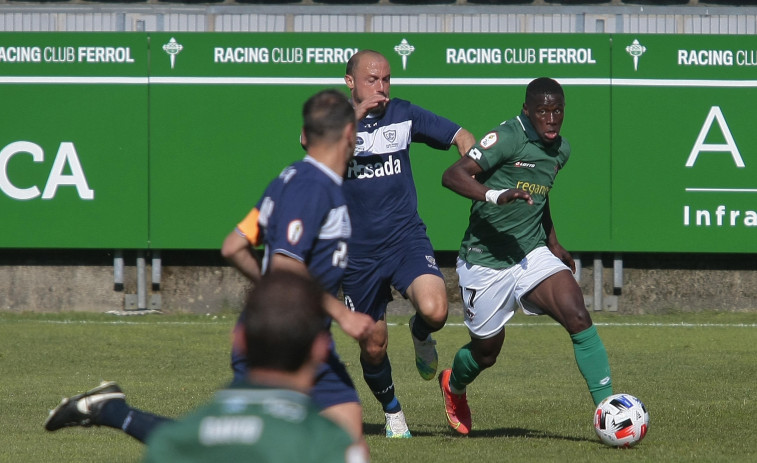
489	140
294	231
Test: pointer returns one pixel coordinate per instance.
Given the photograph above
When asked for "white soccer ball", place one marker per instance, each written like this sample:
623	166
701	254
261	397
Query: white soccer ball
621	420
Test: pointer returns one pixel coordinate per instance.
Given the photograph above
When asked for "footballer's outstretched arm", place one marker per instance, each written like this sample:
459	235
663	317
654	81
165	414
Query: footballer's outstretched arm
464	141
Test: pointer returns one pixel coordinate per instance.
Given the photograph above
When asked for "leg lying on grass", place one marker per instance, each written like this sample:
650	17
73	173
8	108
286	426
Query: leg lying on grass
104	405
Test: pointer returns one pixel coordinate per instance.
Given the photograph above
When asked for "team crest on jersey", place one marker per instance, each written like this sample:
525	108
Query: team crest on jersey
294	231
390	135
489	140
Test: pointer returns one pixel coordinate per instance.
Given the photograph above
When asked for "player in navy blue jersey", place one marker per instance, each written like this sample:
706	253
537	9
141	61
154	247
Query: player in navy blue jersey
303	223
389	245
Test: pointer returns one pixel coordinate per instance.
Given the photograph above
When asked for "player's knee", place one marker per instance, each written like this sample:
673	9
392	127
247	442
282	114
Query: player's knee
434	313
486	361
578	320
438	319
373	353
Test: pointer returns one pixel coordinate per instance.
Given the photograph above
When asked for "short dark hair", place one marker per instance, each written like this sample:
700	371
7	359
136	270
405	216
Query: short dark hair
283	314
325	115
541	86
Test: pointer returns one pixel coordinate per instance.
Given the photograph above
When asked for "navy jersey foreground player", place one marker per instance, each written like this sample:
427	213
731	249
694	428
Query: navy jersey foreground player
389	245
303	223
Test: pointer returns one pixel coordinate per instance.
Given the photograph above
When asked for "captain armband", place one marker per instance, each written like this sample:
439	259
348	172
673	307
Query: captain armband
493	195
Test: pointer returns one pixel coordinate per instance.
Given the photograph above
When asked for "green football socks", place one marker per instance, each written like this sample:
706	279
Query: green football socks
592	361
464	370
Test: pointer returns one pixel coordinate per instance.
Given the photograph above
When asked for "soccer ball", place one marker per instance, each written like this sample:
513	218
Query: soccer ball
621	420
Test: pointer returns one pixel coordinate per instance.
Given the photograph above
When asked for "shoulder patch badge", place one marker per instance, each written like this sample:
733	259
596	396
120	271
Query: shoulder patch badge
294	231
489	140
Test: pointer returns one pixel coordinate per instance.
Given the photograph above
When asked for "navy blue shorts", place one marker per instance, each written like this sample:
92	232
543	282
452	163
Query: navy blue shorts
368	280
333	386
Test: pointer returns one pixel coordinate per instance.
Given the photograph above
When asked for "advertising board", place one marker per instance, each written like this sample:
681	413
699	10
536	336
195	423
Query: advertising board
166	140
684	144
73	140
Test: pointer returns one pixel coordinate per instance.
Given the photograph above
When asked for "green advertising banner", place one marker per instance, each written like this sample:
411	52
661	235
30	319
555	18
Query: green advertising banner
225	113
684	157
166	140
73	140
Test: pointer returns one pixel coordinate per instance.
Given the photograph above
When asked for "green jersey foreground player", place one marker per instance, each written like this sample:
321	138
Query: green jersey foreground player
269	417
510	255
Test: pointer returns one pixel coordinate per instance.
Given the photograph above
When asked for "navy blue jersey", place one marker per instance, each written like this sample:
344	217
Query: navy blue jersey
379	183
303	215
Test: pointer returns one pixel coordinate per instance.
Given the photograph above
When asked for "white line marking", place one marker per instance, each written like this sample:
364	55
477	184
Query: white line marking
724	190
598	81
72	80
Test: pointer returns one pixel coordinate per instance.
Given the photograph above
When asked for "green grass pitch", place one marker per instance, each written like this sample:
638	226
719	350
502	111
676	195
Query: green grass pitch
697	374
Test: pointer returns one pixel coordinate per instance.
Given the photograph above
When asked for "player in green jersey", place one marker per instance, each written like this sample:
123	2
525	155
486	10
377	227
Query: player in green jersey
510	255
269	418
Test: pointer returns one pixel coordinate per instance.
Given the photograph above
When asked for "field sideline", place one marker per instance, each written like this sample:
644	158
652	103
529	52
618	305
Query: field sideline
696	372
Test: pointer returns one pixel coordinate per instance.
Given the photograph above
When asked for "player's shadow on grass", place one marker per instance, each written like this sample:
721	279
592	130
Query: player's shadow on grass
371	429
520	432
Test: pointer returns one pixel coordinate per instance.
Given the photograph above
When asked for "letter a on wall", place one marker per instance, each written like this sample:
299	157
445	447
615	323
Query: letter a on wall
728	147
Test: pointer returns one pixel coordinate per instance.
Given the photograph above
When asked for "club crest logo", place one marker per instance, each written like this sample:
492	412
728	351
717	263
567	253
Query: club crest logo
173	48
404	49
636	50
390	135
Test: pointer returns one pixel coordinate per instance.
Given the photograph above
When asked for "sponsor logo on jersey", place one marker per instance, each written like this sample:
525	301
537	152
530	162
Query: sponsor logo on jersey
294	231
225	430
489	140
524	164
533	188
431	261
359	168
